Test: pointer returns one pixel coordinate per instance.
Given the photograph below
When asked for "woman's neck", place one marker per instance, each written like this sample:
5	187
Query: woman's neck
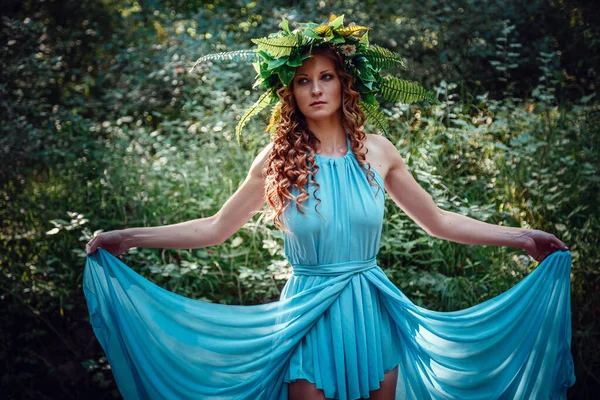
331	135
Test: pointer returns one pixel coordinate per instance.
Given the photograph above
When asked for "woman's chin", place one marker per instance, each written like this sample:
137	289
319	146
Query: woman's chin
320	115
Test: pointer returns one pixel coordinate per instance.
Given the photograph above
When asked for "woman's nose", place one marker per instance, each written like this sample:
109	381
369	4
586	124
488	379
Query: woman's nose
316	89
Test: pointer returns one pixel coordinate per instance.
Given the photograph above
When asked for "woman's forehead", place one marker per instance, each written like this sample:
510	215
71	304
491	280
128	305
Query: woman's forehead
317	63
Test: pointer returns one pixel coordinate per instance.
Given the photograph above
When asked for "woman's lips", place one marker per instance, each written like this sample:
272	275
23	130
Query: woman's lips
317	103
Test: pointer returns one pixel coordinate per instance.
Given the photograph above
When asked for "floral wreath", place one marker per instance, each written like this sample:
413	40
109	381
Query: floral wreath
276	58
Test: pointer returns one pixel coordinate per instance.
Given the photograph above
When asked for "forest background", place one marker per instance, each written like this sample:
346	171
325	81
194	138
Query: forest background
103	127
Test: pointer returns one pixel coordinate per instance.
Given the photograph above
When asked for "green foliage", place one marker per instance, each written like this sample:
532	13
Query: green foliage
263	102
382	58
237	55
375	116
397	90
277	47
103	129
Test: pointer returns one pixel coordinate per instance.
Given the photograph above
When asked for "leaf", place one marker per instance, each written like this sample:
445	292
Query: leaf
398	90
285	25
275	118
286	74
309	32
586	99
375	116
276	63
322	30
295	60
277	47
263	101
226	56
351	30
337	39
338	22
382	58
364	39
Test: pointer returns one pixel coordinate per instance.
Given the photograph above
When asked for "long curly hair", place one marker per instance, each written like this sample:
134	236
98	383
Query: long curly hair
291	162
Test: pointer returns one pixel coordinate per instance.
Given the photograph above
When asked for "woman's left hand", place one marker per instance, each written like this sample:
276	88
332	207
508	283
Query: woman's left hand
541	244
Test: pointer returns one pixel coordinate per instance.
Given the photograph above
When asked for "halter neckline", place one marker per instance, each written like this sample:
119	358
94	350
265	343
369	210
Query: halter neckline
336	160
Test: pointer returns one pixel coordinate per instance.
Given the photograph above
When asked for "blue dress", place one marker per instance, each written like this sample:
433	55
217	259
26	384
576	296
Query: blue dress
340	323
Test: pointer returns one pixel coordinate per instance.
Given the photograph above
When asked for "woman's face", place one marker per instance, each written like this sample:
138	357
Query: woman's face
317	88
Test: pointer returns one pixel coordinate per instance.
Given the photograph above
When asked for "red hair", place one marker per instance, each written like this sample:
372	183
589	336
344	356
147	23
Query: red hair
291	162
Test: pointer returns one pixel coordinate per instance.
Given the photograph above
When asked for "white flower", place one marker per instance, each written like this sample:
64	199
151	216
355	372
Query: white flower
348	50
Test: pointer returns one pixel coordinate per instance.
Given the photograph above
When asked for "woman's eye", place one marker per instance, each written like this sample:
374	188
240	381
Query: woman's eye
326	77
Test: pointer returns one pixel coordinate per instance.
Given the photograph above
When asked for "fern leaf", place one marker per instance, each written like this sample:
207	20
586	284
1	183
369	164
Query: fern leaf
263	101
226	56
382	58
323	29
352	30
275	118
398	90
375	116
277	47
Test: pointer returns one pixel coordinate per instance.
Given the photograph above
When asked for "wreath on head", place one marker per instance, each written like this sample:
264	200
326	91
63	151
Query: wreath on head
276	58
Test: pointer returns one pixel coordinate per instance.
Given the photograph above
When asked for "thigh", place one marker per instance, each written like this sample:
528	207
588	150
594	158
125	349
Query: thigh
304	390
387	390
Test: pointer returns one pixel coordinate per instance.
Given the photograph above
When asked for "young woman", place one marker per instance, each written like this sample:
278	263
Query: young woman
341	329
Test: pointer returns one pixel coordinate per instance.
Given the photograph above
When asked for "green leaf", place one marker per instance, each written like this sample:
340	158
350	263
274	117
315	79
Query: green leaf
365	39
266	56
311	33
398	90
276	63
369	98
337	39
263	101
586	99
365	73
338	22
285	25
226	56
382	58
277	47
375	116
296	59
286	74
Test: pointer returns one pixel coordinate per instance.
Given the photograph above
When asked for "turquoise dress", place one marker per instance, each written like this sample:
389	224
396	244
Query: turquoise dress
340	323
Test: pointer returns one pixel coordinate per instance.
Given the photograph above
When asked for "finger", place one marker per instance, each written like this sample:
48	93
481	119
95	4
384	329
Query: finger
559	244
90	248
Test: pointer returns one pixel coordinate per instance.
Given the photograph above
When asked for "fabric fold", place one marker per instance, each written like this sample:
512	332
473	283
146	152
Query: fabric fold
162	346
340	323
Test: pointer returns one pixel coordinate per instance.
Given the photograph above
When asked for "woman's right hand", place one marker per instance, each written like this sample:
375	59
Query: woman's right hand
112	241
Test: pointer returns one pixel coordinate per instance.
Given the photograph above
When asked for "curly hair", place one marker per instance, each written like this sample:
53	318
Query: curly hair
291	162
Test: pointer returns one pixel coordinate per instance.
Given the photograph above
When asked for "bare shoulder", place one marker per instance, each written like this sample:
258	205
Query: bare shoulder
382	154
260	161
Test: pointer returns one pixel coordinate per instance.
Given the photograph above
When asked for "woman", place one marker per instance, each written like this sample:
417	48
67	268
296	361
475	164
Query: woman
341	329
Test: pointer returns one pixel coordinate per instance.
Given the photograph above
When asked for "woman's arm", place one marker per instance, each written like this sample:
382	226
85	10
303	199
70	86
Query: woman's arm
201	232
418	204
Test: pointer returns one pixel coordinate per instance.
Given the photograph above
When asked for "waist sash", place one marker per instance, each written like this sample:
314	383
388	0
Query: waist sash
334	269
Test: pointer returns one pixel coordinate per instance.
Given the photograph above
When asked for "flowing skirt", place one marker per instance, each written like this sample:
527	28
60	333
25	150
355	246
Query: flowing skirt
341	327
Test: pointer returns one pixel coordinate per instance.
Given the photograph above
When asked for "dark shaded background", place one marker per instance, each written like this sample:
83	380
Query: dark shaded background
103	128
